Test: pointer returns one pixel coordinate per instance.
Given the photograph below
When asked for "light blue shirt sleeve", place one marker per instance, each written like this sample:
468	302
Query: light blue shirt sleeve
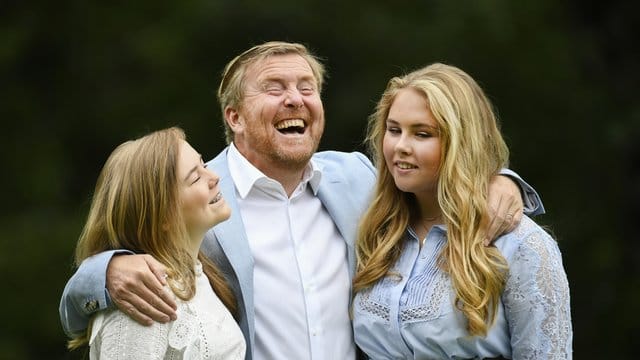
536	300
85	293
532	202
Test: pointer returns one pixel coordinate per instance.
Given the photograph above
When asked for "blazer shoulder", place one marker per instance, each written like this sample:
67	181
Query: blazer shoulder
351	161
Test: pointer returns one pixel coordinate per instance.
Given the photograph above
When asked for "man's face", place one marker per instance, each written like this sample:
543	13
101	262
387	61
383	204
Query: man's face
280	120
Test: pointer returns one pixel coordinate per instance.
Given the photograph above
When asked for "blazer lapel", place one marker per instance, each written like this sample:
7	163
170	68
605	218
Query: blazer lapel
232	238
336	198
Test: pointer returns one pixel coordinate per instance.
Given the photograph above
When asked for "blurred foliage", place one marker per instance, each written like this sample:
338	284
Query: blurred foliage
80	77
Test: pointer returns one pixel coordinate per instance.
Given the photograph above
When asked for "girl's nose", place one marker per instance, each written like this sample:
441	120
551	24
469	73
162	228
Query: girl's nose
402	146
213	179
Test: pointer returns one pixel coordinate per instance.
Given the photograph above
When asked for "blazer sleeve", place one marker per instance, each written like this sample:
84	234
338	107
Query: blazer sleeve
85	293
532	202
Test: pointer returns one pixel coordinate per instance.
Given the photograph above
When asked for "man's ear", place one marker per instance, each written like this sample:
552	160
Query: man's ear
232	117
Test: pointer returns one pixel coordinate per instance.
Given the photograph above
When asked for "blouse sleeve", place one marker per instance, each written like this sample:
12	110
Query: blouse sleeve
117	336
536	300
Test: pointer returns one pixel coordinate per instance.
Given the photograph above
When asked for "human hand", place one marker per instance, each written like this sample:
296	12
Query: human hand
136	285
505	207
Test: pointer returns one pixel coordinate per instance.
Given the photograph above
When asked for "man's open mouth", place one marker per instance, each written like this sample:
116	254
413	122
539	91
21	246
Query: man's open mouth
291	126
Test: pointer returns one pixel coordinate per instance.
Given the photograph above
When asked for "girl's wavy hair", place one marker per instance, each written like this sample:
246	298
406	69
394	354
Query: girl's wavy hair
473	150
136	206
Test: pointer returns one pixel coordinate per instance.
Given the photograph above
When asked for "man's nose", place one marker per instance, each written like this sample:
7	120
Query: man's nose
293	99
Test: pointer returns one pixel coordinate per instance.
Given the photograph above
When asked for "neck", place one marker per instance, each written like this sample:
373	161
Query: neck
287	177
287	171
194	246
429	209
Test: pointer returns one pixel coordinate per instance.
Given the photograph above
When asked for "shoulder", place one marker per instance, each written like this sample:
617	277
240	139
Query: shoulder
116	319
344	173
114	332
528	240
220	160
352	161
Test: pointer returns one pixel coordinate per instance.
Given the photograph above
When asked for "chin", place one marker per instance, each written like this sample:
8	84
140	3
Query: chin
403	187
299	151
222	215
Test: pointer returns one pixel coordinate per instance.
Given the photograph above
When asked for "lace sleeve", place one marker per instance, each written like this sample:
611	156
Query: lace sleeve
116	336
536	300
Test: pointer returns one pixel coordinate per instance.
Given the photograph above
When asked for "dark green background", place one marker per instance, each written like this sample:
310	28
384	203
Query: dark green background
77	78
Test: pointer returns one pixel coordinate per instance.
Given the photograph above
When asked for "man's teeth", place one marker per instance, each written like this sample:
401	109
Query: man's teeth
290	123
216	199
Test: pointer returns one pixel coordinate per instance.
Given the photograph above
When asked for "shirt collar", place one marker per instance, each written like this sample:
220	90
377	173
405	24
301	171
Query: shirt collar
245	175
439	228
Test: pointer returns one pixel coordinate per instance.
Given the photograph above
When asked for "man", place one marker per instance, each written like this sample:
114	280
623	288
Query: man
287	249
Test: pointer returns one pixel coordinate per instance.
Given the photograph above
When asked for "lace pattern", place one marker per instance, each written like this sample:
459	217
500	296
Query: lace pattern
439	291
426	291
373	307
204	329
536	298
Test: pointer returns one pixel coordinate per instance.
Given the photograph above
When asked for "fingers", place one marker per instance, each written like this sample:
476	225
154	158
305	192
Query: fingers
152	304
157	268
492	228
136	290
504	219
505	207
517	212
160	297
132	311
143	305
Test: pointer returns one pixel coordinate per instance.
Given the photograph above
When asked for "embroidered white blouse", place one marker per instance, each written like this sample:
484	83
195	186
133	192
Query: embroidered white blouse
204	329
413	317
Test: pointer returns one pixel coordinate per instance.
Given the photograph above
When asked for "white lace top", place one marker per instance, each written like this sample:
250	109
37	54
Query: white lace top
204	330
413	317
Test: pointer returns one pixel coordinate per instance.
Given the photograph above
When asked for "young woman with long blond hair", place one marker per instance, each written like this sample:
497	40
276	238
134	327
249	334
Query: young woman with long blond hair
426	287
155	196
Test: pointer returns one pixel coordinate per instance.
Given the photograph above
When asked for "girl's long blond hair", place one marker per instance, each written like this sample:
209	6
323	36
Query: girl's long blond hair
473	150
136	206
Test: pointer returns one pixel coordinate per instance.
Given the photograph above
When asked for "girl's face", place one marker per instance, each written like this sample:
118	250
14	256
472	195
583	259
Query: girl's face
411	144
201	200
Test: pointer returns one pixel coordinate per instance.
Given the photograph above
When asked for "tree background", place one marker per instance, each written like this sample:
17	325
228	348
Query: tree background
77	78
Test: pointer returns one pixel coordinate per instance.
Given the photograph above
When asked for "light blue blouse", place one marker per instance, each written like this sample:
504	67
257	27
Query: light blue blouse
412	316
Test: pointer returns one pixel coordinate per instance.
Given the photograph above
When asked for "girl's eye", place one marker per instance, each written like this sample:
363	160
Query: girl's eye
393	130
423	135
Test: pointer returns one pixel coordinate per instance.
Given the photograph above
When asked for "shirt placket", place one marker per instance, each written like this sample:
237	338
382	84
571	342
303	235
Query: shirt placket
399	296
313	314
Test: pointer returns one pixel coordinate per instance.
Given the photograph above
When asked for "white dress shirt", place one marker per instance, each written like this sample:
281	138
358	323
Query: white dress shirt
301	276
